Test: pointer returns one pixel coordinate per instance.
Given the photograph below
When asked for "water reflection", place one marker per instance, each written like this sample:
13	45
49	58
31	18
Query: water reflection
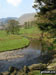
30	53
35	44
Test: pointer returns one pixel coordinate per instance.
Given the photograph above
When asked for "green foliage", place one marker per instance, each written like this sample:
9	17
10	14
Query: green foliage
48	12
13	27
44	26
47	18
54	41
49	2
50	48
29	24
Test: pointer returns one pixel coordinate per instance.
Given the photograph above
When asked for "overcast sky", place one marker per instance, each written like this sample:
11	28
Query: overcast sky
15	8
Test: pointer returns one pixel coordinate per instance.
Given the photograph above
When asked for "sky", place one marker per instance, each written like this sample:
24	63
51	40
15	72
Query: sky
15	8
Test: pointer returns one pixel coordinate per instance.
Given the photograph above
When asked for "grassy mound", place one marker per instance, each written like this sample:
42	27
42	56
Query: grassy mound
11	42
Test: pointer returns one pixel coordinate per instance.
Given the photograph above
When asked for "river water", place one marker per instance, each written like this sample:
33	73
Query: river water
31	54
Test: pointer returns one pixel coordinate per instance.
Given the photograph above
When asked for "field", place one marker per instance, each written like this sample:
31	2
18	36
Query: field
33	32
11	42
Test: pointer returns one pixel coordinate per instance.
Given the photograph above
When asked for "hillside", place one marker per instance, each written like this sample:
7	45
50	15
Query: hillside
26	17
5	20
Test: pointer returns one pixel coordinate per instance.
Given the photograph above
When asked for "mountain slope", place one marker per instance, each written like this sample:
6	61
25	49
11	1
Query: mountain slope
26	18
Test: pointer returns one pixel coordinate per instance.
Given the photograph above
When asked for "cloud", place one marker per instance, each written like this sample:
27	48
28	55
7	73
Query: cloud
14	2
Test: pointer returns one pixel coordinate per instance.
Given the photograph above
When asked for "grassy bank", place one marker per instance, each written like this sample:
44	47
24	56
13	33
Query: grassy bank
11	42
33	32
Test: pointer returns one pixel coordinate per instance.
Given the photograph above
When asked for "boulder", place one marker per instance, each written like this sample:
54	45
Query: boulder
52	66
38	67
26	69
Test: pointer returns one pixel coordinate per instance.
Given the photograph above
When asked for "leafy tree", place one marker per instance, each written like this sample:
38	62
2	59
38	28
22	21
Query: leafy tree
46	17
47	14
25	25
12	27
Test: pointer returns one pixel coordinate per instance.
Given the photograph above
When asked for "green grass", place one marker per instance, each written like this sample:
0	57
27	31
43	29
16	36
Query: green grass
33	32
3	33
11	42
29	31
35	73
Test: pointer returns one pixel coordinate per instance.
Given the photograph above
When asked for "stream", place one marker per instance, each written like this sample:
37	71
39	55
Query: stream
31	56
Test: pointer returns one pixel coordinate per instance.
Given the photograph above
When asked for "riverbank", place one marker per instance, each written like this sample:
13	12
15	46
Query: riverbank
52	64
9	55
27	57
19	53
34	69
12	42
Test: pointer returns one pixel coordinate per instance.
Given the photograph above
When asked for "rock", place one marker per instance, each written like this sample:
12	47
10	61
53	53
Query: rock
26	69
52	66
12	69
38	67
6	73
54	60
23	71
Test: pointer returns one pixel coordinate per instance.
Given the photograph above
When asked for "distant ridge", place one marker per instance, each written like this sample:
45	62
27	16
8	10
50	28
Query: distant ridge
26	17
5	20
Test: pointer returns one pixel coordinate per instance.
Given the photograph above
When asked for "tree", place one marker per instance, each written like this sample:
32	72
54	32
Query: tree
12	27
47	14
25	25
47	17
